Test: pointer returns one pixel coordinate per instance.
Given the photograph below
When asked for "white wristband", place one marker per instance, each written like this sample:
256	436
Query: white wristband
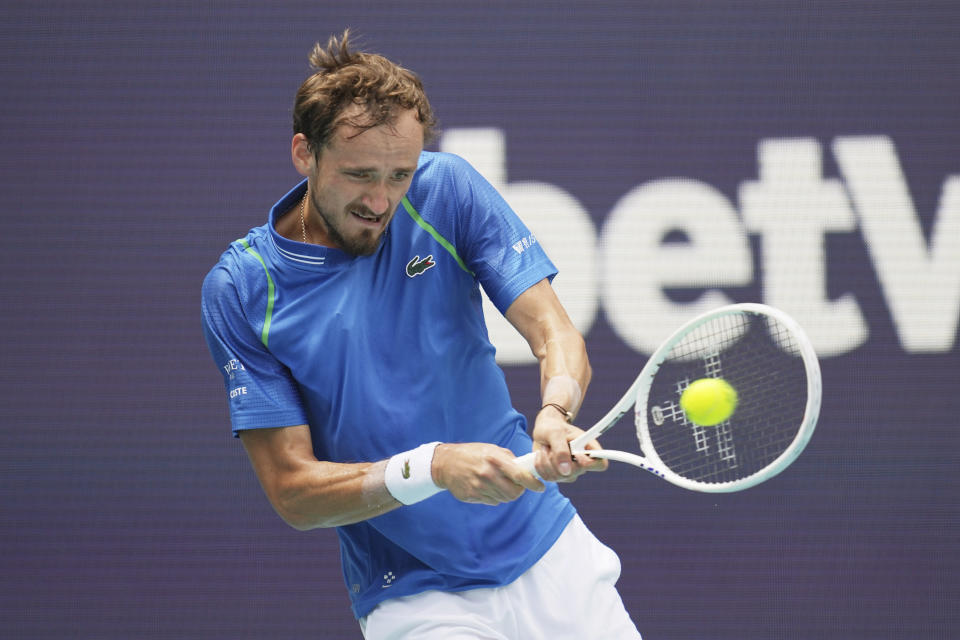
408	475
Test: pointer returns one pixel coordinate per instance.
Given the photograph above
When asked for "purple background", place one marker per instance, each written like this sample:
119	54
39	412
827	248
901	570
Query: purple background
138	141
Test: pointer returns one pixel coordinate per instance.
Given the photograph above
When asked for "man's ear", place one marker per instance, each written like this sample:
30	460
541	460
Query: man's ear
302	155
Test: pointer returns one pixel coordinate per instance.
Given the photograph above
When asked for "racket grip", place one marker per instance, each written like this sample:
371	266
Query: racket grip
526	461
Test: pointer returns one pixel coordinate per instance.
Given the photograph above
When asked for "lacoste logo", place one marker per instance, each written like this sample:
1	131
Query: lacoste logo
405	470
417	266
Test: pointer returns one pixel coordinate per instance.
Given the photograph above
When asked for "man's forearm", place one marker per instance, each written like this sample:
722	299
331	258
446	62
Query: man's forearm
327	494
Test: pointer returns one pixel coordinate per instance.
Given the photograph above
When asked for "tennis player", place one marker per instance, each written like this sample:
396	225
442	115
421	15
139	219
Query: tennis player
364	389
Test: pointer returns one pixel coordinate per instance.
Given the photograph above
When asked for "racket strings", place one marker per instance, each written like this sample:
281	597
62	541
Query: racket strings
759	357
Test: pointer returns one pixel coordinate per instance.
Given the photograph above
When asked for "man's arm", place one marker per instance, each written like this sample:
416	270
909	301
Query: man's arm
564	377
308	493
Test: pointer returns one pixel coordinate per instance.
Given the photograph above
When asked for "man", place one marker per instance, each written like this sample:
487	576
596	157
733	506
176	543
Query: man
365	391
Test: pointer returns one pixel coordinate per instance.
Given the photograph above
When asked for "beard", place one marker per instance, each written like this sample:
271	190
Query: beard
358	244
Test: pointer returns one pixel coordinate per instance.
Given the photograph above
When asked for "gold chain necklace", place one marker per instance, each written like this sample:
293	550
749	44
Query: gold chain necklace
303	223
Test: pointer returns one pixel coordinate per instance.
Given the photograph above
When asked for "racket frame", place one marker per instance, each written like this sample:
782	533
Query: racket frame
636	397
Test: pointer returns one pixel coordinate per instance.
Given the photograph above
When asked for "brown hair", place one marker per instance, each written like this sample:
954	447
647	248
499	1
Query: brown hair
344	77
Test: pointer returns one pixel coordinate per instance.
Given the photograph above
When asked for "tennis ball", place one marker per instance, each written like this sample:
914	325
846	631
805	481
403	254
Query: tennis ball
708	401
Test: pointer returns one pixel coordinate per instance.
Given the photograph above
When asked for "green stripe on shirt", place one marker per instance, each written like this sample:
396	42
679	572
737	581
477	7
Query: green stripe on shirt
426	226
271	293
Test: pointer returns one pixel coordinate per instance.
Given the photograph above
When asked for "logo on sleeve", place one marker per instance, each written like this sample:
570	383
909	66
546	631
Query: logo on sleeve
417	266
232	367
524	243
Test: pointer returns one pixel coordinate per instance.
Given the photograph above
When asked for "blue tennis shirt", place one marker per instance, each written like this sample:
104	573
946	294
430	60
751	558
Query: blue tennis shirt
379	354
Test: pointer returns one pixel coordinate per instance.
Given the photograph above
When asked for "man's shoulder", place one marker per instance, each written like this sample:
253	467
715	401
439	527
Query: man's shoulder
440	166
249	249
442	181
242	257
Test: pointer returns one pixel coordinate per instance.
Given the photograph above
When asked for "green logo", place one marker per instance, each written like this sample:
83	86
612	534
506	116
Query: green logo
417	266
405	470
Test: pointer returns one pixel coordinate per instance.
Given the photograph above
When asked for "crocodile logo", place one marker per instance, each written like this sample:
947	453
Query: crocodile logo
417	266
405	470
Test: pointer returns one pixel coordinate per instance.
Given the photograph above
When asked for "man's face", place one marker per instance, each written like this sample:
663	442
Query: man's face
359	180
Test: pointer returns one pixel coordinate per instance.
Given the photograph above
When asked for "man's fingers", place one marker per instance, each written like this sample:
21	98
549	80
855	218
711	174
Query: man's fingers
530	481
522	478
589	462
549	469
560	456
482	473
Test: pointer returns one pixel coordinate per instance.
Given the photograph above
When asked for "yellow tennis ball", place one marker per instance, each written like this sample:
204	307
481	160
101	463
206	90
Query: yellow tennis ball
708	401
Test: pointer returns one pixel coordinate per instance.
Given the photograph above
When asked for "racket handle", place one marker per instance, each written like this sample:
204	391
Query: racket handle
526	461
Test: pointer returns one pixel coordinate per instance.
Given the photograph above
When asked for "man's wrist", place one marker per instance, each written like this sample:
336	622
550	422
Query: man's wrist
564	393
409	475
566	413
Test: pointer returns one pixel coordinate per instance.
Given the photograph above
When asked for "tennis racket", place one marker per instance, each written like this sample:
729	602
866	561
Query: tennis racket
765	355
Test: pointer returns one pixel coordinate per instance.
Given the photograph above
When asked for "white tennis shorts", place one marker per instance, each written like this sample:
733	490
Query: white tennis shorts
569	593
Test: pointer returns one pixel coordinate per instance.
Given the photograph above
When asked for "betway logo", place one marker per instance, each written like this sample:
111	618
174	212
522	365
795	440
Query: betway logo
791	207
521	245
